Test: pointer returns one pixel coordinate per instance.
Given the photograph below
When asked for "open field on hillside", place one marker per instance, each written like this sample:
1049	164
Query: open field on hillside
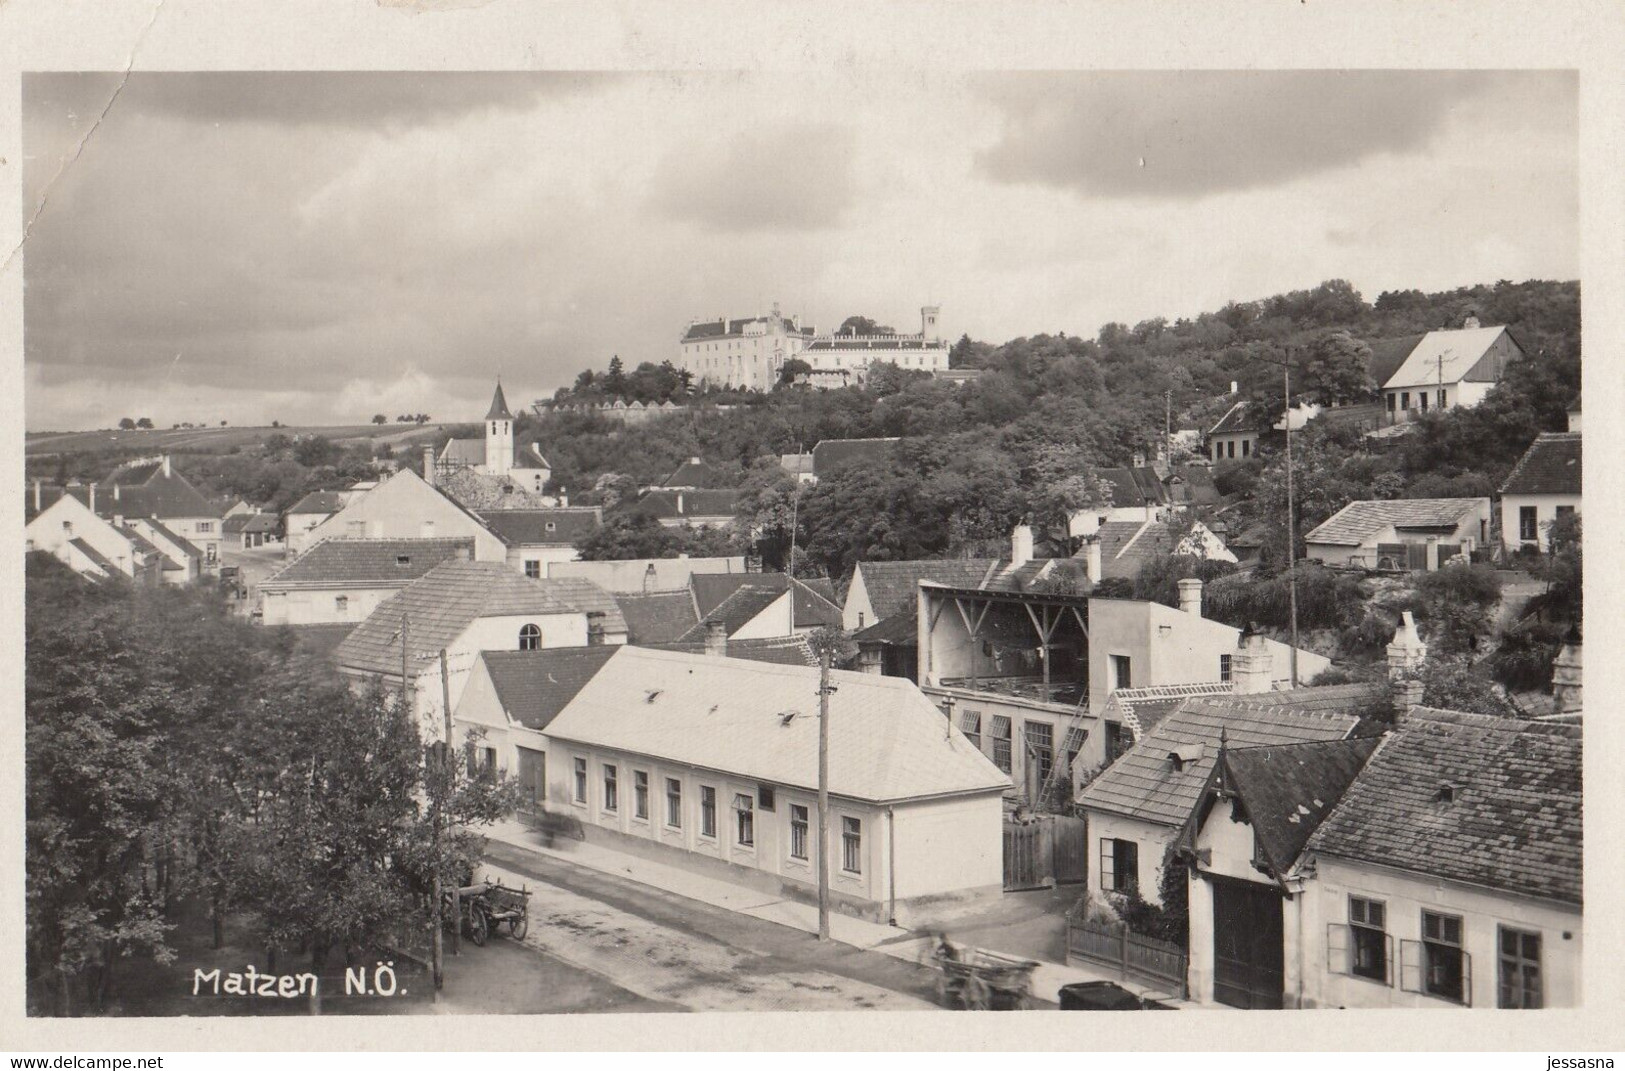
215	440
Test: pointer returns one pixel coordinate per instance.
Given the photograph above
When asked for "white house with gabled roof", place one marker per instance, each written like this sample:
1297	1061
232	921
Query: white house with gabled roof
1448	369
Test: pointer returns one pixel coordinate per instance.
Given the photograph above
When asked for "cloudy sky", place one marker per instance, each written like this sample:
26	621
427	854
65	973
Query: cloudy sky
321	247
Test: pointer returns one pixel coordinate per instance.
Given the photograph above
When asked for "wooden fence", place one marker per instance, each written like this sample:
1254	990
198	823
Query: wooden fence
1044	850
1144	959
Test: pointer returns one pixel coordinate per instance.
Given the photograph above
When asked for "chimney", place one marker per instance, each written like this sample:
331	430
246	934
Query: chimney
1251	669
679	503
1021	545
1138	461
1407	697
428	465
1091	560
716	638
1190	596
166	464
1407	652
38	494
1235	387
1566	677
1470	322
649	578
564	498
694	461
115	492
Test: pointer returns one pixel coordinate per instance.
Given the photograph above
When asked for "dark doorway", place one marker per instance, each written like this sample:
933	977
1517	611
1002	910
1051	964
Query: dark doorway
1247	959
533	777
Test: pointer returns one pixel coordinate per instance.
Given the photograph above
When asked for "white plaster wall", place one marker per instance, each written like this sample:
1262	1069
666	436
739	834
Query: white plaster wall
320	607
858	612
398	508
1545	514
949	845
46	533
1153	841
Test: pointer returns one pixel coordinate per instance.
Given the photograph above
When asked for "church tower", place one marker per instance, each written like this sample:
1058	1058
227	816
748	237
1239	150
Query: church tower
498	436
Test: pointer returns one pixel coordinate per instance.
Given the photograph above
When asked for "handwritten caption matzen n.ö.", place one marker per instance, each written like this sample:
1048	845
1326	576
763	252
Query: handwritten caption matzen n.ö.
251	982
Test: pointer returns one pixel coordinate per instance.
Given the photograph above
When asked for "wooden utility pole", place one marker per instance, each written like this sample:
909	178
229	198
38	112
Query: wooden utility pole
446	772
823	792
1291	520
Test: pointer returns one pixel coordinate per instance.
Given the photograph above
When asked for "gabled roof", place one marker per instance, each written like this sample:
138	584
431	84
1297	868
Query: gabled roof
475	490
894	586
533	686
898	630
691	473
658	617
1387	354
1288	790
736	611
180	543
1142	709
261	522
755	720
1551	466
1235	419
711	588
831	454
565	525
1143	784
499	406
318	502
1448	357
140	542
1139	486
700	503
369	563
1357	522
440	605
598	604
777	650
1358	697
96	557
1493	802
1125	546
157	496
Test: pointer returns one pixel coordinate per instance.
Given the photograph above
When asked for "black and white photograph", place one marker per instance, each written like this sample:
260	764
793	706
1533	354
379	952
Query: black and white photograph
587	541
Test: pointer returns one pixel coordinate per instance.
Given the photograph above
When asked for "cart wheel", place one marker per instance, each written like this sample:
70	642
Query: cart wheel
518	927
976	995
478	927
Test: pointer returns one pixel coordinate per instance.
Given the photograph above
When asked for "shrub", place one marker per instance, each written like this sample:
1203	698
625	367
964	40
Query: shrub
1523	659
1370	637
1325	599
1476	584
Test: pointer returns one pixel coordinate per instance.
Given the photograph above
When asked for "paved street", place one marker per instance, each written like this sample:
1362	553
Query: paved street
655	950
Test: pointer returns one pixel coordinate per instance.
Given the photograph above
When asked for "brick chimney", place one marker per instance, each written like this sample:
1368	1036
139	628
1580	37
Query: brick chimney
1407	696
649	579
1252	669
1138	460
1566	677
428	465
1021	545
1190	595
1407	652
716	638
1091	560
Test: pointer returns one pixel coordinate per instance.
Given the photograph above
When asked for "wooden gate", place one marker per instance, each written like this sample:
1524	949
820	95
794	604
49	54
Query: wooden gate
1071	846
533	778
1028	856
1248	959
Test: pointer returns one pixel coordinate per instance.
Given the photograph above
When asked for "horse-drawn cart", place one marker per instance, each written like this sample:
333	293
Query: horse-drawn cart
981	981
486	905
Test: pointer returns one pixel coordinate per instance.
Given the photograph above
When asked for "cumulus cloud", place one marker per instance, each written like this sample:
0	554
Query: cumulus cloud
789	176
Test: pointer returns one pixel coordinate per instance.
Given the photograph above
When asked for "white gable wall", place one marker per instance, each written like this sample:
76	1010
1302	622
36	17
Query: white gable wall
403	507
67	519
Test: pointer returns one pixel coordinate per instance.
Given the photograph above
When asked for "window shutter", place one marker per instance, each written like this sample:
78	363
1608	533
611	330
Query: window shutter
1410	966
1467	979
1388	957
1338	956
1108	877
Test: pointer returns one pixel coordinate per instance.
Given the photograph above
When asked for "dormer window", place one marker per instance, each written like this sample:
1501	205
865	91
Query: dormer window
403	559
552	527
1446	794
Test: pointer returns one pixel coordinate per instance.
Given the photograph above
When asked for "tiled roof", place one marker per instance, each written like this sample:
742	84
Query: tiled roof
778	650
157	496
658	617
1551	466
813	604
97	558
736	611
1235	419
533	686
1509	818
1134	486
1127	545
1358	521
893	586
691	473
1142	709
135	473
1037	572
1192	484
532	527
831	454
711	588
722	328
1143	783
1357	698
366	562
759	721
1387	354
701	503
1446	357
440	605
898	630
261	522
181	543
499	406
318	502
139	541
1288	790
598	604
478	491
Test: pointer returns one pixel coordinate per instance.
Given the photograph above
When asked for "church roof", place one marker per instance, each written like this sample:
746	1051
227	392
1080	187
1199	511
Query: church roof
499	406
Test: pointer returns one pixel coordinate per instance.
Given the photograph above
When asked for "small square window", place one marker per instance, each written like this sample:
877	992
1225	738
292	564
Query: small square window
764	797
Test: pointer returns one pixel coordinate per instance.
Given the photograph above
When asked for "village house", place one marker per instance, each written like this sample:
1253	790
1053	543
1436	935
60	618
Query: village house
345	580
828	455
711	764
149	489
1447	369
1416	534
646	575
691	475
730	606
1440	867
70	531
538	539
183	560
1192	487
305	516
246	531
841	360
744	354
1543	487
799	466
462	608
1119	549
494	453
881	590
714	508
1136	494
1235	436
405	506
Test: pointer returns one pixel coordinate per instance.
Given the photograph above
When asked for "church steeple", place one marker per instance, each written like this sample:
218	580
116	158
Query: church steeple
499	406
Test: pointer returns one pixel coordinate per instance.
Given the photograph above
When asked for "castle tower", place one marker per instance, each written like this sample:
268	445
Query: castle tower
498	436
928	322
